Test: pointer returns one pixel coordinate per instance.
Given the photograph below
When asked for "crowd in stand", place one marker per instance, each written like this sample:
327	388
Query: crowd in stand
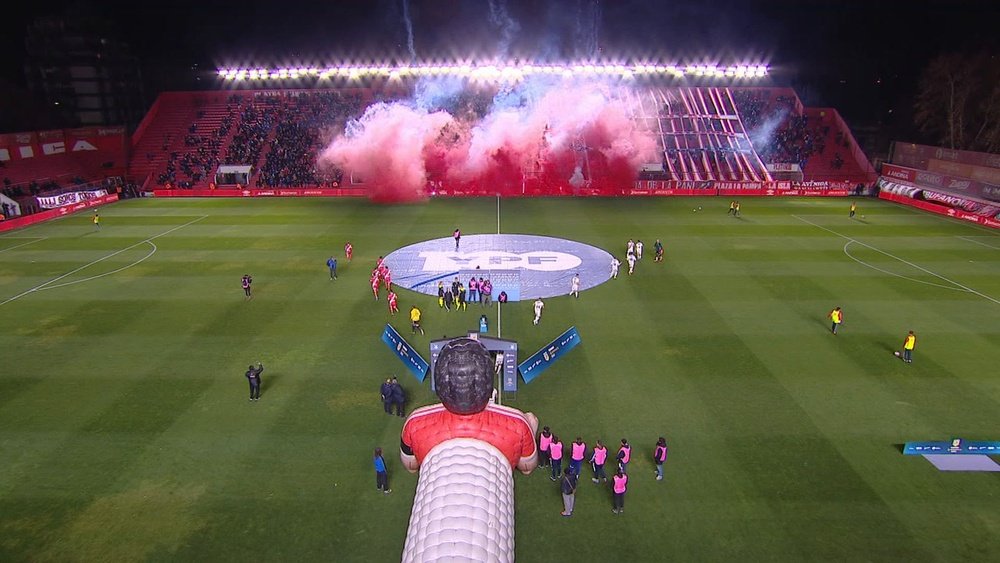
304	118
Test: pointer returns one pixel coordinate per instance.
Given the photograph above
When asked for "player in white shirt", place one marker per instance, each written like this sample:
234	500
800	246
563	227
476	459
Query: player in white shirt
638	249
631	263
539	305
574	289
614	267
629	247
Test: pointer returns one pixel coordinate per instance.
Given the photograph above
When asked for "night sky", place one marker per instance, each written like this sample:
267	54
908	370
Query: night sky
863	57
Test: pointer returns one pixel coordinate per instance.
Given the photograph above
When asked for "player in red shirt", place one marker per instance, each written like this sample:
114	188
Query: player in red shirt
393	309
387	278
375	281
349	250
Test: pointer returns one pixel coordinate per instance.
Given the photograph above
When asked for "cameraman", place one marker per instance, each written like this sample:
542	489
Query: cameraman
253	376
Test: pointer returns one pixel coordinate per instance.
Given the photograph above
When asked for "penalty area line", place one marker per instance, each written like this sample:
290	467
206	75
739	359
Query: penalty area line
893	256
99	260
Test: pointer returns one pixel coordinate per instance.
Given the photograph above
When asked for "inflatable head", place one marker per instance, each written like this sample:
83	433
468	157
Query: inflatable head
463	376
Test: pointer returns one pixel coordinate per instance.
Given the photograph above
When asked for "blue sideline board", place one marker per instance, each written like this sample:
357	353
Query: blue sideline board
542	359
956	446
406	354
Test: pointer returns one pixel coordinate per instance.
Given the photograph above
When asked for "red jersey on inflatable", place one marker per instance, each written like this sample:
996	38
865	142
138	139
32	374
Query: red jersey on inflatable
504	428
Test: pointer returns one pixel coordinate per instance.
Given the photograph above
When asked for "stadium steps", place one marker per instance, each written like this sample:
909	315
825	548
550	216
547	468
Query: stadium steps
170	124
820	166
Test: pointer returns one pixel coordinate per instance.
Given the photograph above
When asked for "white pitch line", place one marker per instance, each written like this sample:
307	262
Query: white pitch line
979	243
921	268
136	263
877	269
99	260
23	244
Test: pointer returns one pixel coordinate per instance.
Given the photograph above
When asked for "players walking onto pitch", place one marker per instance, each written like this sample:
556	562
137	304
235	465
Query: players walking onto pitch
348	250
574	287
247	280
736	210
253	376
836	317
658	247
614	267
631	262
381	476
539	305
732	207
393	306
332	265
415	320
638	249
458	237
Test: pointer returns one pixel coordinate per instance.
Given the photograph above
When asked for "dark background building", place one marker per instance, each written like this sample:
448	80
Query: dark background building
77	67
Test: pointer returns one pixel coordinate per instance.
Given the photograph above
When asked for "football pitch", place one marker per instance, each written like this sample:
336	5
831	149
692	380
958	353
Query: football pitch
126	433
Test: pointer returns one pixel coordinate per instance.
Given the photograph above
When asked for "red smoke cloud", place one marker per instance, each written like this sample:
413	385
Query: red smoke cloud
398	149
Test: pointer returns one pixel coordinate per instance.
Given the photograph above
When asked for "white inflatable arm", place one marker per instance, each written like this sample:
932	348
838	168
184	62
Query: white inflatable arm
464	506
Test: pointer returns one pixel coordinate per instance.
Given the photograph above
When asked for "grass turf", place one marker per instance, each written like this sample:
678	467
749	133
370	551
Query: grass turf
126	434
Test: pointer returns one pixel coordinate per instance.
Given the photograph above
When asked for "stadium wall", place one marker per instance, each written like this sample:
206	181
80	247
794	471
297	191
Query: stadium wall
26	220
938	209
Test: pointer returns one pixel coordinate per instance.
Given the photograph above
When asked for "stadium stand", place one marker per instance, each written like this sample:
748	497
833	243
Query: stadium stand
704	133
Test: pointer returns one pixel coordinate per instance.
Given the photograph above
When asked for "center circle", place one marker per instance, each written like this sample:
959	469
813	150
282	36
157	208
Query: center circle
526	267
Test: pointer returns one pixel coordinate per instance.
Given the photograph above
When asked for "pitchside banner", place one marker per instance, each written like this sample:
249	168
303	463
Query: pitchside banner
542	359
406	354
956	446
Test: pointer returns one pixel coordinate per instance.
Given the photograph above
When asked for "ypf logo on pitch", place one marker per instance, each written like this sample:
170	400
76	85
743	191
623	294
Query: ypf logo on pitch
539	260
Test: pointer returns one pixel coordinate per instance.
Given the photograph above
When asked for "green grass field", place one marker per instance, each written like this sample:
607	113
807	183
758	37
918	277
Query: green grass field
126	434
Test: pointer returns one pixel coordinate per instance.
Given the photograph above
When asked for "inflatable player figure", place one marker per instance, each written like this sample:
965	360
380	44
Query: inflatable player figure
465	448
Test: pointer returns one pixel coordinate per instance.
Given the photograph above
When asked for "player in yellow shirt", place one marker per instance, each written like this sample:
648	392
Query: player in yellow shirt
415	320
837	316
97	221
854	207
908	345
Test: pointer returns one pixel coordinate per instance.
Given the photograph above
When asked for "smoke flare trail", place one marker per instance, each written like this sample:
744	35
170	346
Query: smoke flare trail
409	29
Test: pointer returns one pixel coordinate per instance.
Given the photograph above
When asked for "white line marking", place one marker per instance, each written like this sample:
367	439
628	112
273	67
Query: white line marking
979	243
99	260
921	268
23	244
863	263
139	261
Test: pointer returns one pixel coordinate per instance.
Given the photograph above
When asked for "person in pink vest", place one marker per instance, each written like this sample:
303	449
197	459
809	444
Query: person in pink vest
544	440
624	455
578	449
555	455
618	486
660	456
473	290
597	460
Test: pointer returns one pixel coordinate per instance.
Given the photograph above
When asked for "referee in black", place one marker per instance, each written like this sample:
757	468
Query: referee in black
253	376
